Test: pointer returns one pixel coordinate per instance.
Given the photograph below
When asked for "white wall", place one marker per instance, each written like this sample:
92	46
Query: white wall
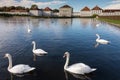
20	13
76	14
85	13
67	12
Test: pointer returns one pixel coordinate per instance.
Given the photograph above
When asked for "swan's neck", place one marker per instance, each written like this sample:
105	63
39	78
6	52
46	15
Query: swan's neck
34	46
67	62
98	37
10	62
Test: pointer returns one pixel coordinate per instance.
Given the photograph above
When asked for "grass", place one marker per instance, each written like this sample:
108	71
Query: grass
112	21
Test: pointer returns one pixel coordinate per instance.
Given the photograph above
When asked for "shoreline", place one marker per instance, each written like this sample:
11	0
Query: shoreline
111	23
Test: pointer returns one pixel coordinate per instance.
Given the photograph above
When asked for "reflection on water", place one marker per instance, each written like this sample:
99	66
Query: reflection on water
20	76
65	22
35	56
81	77
57	36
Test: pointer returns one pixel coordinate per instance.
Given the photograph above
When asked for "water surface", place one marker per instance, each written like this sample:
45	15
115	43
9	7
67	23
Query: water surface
56	36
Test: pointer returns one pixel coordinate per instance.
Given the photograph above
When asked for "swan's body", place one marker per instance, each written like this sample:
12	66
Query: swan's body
102	41
78	68
38	51
97	25
18	69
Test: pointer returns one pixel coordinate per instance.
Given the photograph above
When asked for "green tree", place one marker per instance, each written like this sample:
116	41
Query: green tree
55	10
34	7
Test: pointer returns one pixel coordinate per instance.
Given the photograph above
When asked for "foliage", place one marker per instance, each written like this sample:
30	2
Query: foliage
33	7
55	10
94	15
6	9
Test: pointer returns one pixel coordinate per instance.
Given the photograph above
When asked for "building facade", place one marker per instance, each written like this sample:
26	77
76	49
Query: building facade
47	12
110	12
65	11
36	12
96	10
85	12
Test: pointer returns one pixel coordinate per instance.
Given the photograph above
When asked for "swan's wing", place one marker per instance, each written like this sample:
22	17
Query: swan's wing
103	40
40	51
21	68
79	68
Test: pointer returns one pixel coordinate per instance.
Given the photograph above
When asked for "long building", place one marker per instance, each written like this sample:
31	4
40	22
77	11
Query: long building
67	11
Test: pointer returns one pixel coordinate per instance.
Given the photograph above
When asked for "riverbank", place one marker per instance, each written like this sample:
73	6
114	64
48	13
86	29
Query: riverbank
111	21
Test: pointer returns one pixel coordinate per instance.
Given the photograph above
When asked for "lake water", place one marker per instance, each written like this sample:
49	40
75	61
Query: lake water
56	36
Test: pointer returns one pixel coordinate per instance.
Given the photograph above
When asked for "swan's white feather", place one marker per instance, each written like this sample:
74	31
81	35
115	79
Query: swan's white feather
39	51
102	41
29	30
21	68
79	68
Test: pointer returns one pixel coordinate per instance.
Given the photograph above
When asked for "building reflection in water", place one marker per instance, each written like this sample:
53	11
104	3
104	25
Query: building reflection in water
35	22
95	23
85	22
66	22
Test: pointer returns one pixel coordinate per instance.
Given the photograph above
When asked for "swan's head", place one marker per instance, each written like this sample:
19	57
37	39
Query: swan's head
66	54
33	42
97	34
7	55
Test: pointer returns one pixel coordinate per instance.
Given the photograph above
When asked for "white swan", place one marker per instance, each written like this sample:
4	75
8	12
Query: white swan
18	69
97	25
28	29
38	52
78	68
101	41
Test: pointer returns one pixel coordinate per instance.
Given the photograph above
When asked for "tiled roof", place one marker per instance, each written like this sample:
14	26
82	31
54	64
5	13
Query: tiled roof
96	8
47	9
18	11
111	10
85	9
66	6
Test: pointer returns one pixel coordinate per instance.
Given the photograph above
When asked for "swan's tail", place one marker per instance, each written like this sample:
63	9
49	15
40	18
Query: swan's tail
93	69
31	69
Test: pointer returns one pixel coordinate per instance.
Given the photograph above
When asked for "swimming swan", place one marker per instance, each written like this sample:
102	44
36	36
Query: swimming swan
102	41
78	68
97	25
18	69
38	52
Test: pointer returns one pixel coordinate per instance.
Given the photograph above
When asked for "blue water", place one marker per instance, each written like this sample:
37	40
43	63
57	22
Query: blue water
56	36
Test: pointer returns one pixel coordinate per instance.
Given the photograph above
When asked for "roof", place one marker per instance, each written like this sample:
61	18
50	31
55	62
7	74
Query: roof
111	10
97	8
85	9
66	6
47	9
18	11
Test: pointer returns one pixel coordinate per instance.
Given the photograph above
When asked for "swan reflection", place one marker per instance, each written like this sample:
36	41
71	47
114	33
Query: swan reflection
13	76
78	76
97	44
35	56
